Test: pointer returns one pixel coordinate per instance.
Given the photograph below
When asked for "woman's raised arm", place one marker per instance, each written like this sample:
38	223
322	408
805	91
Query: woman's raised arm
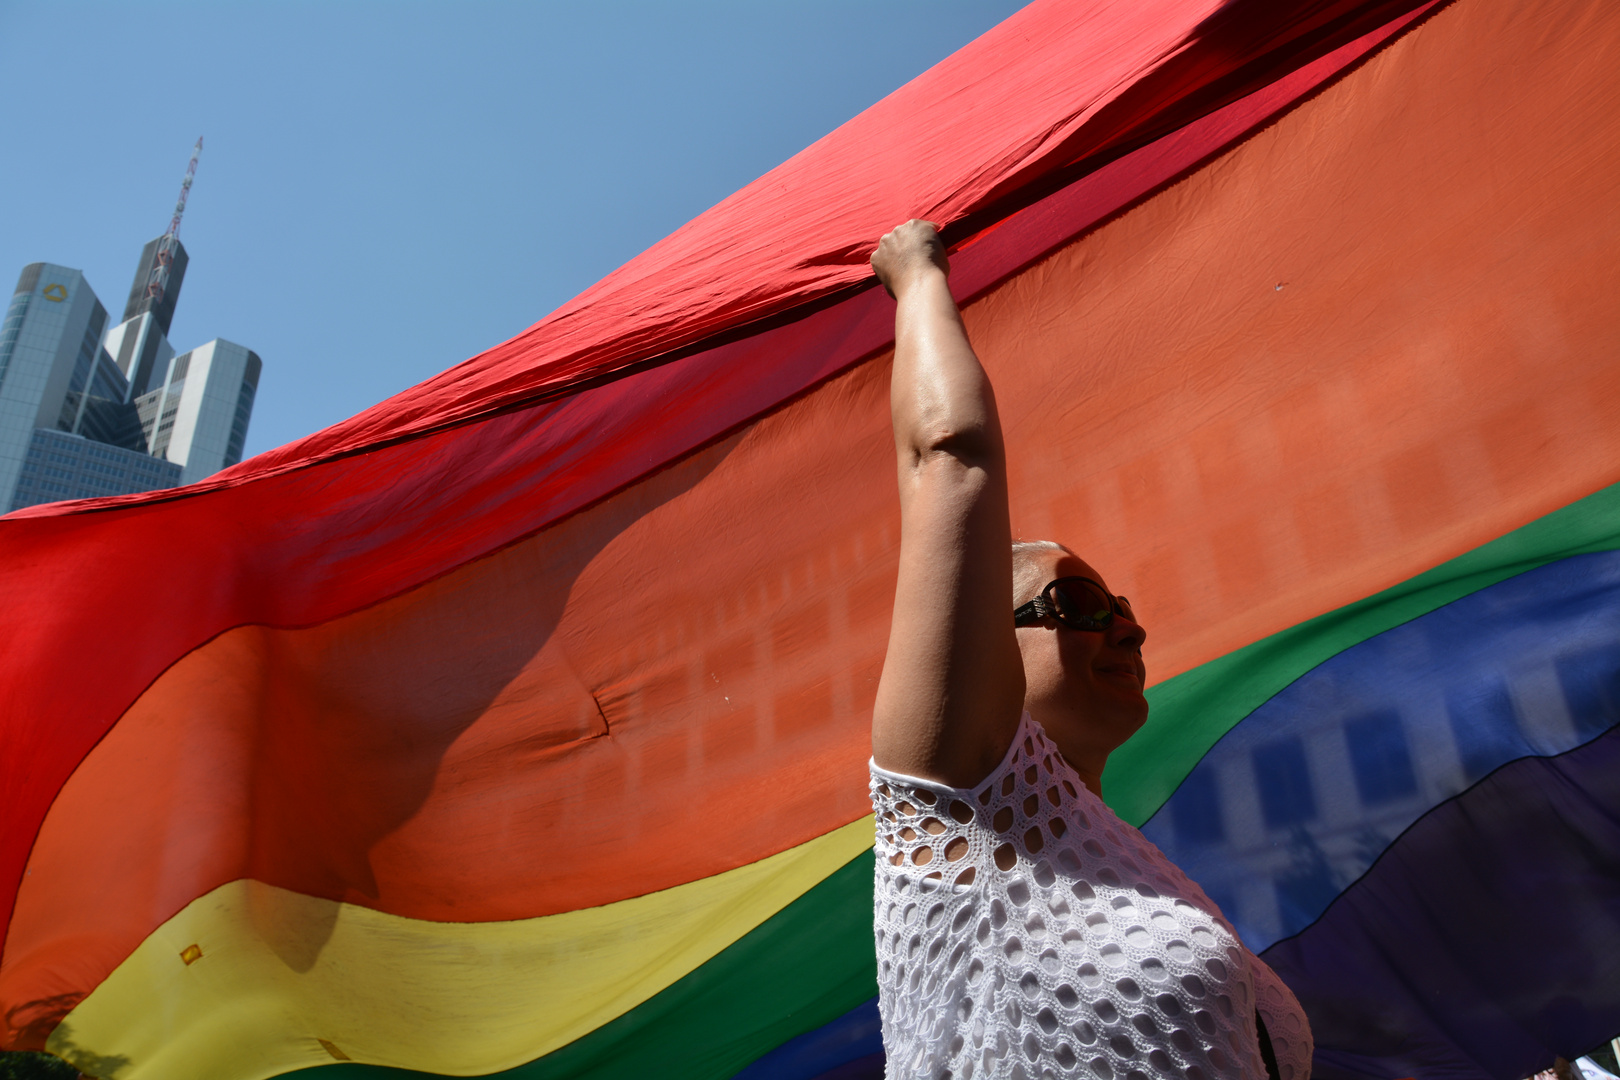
953	682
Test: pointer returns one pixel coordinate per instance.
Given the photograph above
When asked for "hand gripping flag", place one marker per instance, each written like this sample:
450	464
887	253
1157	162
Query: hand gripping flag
518	725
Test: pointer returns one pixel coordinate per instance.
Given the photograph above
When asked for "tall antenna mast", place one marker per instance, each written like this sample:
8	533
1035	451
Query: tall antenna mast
185	189
158	281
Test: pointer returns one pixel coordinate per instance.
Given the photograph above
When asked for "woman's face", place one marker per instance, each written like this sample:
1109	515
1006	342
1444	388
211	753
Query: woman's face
1084	686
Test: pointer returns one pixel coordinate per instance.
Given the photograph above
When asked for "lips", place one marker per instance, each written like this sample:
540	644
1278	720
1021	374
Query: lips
1128	670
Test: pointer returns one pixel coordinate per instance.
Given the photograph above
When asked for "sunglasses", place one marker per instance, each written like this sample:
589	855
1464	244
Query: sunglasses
1076	602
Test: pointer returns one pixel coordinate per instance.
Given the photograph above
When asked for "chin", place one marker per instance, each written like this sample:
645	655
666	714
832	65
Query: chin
1127	702
1130	718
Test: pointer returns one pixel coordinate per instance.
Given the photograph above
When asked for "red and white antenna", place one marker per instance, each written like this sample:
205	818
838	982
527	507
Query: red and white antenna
185	189
158	281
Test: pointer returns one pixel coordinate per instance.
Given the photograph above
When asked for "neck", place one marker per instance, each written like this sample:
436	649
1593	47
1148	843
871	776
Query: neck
1091	777
1084	756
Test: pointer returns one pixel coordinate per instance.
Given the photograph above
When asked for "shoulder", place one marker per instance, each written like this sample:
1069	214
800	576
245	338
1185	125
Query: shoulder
1027	737
939	831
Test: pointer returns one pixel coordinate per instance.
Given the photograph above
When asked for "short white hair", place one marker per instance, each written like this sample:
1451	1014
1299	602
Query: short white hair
1027	573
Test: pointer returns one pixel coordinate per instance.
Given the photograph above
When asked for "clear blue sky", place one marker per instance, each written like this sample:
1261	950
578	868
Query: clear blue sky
388	188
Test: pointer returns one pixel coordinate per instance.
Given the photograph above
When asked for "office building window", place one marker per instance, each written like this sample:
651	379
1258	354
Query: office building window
1591	685
11	328
1486	726
1286	795
1379	757
1196	809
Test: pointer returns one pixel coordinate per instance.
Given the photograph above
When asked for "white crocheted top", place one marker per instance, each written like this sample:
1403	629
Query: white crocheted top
1025	932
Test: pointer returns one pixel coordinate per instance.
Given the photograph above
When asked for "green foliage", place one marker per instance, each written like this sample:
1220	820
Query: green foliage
24	1065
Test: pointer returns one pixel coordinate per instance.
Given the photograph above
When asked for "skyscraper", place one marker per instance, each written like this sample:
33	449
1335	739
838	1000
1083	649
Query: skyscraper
164	263
88	411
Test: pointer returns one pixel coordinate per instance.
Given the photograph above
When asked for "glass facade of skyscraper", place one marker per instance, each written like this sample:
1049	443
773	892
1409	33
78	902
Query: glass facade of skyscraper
90	411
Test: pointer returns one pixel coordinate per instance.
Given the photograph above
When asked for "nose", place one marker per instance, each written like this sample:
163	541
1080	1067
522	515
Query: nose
1126	634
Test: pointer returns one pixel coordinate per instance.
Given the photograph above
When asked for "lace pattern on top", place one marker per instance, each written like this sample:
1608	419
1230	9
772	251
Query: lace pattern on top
1024	931
1290	1032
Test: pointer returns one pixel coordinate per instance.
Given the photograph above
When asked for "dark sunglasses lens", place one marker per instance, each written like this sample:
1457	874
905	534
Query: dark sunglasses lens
1123	606
1081	604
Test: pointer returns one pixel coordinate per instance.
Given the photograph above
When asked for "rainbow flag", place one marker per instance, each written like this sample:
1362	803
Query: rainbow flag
518	725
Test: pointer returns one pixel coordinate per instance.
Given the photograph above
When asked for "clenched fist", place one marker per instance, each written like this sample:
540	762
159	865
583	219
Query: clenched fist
907	253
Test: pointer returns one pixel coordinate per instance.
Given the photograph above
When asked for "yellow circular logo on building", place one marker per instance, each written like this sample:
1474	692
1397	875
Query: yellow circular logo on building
55	293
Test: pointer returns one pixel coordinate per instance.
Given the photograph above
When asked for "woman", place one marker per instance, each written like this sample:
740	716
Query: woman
1022	929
